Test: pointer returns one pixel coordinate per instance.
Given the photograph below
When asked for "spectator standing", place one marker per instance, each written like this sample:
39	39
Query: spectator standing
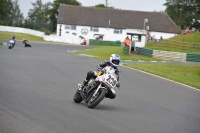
127	42
148	36
84	42
187	31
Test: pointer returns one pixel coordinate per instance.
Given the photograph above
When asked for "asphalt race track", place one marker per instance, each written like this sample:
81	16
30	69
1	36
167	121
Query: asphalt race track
37	85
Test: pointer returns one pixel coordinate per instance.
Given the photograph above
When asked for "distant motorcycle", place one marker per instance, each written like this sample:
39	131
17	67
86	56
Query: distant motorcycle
26	43
11	44
97	89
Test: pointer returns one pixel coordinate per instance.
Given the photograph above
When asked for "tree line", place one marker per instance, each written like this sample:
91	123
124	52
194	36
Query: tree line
185	13
40	16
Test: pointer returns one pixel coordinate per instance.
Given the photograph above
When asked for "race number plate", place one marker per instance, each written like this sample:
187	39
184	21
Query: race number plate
111	80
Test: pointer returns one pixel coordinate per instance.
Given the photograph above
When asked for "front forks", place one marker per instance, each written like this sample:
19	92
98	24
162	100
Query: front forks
98	89
87	98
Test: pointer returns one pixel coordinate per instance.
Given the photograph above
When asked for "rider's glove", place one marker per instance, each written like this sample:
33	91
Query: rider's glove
118	84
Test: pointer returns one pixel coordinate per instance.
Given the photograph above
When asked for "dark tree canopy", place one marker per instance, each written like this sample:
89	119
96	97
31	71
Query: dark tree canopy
55	6
10	13
184	13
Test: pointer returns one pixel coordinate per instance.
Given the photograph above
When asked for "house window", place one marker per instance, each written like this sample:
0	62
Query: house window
94	29
117	31
70	27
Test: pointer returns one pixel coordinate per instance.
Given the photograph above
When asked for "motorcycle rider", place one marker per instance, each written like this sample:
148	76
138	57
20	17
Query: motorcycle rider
13	37
114	62
25	42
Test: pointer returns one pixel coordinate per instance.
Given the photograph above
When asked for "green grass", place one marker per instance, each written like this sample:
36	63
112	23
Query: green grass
186	74
19	36
104	52
191	38
170	49
3	132
183	43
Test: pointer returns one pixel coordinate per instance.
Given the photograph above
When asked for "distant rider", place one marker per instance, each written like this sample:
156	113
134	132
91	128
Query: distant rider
13	37
25	42
114	62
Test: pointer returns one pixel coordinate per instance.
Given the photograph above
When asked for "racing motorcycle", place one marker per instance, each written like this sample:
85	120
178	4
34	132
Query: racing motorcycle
96	90
11	44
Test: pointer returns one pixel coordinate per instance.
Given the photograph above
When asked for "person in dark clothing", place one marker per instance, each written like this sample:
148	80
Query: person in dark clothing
13	37
25	42
114	62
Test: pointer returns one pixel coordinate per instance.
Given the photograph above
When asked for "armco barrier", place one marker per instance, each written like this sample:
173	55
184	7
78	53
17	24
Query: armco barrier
104	43
193	57
177	56
144	51
126	50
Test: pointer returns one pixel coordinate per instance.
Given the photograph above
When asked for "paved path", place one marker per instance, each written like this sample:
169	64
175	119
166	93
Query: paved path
36	96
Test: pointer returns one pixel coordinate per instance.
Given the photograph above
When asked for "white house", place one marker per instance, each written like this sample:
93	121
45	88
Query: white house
76	22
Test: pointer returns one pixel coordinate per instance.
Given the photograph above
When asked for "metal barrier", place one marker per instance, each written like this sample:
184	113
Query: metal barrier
126	50
144	51
193	57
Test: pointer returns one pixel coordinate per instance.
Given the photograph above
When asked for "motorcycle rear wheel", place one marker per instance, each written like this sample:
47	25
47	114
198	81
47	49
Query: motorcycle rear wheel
77	97
95	100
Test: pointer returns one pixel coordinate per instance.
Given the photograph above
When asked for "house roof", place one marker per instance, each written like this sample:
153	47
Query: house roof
121	19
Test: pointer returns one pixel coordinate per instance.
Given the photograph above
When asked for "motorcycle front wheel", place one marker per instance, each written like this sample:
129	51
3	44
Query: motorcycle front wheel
77	97
96	99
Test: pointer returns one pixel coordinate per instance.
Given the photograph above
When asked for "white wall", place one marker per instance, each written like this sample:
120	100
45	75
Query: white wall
142	43
22	30
164	35
107	32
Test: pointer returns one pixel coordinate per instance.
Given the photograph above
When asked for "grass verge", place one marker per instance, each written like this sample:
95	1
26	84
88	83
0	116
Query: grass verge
19	36
192	38
170	49
183	43
185	74
104	52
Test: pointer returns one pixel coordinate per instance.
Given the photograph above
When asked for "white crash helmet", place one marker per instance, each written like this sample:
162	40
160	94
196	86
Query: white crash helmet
114	60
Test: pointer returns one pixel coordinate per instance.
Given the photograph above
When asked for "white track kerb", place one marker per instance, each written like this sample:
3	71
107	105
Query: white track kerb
162	78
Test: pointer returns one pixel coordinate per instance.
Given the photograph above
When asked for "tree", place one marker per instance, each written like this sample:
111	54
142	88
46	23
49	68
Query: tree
5	11
16	15
55	6
46	7
183	12
101	6
39	18
39	11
